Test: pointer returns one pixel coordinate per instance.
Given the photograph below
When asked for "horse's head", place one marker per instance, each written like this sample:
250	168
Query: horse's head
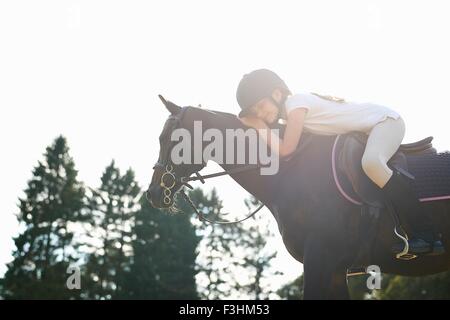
167	177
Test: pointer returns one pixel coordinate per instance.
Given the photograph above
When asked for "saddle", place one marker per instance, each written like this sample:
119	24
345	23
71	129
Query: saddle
348	152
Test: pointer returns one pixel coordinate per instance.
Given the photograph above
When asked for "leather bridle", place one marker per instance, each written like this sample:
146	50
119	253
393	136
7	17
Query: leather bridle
169	179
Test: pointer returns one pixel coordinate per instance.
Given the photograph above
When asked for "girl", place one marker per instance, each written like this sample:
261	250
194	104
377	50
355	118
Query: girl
264	98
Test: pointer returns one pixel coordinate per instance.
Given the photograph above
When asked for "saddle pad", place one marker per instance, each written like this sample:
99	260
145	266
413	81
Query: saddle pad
432	175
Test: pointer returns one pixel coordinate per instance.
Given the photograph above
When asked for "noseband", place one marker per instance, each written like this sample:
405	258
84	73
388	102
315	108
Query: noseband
169	180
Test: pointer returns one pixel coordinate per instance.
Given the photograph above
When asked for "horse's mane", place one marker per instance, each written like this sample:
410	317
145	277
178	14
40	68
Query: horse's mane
233	117
226	114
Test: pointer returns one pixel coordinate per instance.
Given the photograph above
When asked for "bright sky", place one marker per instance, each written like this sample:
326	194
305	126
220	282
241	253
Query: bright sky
92	70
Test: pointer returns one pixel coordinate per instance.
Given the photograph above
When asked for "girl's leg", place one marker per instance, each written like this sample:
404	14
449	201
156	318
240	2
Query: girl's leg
383	142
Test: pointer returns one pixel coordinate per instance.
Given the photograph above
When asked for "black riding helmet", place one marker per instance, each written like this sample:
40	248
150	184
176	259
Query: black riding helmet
257	85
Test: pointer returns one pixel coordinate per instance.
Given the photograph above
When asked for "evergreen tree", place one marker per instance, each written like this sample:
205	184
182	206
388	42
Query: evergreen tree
257	255
164	249
217	259
234	260
53	202
292	290
113	206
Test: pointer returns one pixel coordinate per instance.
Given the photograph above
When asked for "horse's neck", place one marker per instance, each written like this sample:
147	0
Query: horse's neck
252	180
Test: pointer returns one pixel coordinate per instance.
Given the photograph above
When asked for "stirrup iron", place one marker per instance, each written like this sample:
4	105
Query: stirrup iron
404	255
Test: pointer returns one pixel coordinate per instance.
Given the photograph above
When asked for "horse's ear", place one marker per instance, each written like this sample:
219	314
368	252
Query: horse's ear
172	107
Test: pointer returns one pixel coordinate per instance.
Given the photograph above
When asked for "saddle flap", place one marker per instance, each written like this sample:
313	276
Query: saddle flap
350	152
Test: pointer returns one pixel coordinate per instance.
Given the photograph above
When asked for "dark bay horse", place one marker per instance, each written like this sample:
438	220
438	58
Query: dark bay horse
319	227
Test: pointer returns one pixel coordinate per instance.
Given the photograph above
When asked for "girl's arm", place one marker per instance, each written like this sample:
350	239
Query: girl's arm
292	133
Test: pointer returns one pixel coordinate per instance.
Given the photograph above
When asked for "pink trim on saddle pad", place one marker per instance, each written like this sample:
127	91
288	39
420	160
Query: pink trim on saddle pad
348	197
434	198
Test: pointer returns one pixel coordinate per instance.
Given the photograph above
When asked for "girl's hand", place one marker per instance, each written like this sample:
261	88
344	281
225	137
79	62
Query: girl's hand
253	122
